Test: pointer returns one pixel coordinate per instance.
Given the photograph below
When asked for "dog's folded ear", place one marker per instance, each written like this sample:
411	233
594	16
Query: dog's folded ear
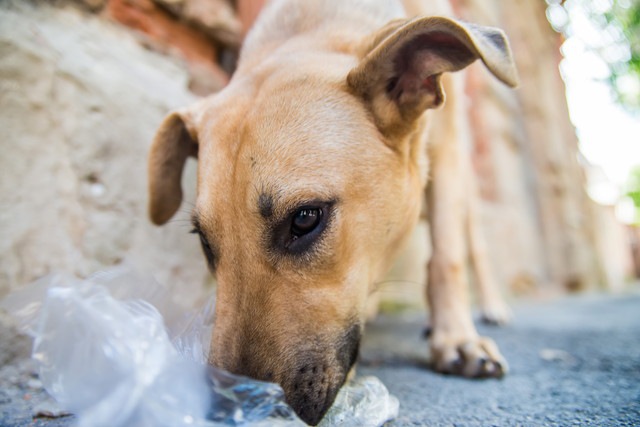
399	74
174	142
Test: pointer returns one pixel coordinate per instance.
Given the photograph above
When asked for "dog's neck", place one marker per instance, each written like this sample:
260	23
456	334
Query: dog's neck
291	23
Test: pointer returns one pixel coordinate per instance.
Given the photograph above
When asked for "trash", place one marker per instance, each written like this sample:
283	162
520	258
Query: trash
49	409
239	400
555	355
106	355
363	402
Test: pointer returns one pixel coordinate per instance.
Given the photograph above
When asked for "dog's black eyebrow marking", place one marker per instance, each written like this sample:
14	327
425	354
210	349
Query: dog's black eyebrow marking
265	205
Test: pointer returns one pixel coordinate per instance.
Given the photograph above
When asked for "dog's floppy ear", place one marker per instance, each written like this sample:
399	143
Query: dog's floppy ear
399	76
174	142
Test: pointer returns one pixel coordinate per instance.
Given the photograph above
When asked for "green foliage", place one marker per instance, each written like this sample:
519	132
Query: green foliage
616	24
624	16
633	191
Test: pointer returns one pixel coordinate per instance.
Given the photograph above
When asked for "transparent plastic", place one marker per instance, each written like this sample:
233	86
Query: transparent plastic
106	355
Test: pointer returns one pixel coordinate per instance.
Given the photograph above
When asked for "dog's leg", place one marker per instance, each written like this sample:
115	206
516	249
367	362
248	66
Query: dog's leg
494	309
455	345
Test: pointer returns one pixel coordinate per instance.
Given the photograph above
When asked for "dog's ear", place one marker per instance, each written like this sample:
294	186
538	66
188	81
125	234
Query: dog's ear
399	74
174	142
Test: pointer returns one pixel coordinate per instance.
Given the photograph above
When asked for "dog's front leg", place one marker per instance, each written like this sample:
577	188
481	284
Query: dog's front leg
455	345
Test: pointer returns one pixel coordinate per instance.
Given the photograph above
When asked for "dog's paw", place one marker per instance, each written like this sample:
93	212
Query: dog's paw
473	358
497	314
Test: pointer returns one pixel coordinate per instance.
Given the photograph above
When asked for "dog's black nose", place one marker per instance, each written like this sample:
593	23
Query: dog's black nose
312	391
312	387
311	413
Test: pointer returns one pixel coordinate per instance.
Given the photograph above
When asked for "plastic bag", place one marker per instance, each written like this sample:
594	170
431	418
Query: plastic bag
365	401
113	362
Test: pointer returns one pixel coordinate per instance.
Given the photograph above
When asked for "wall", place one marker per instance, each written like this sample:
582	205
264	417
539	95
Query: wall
85	83
80	100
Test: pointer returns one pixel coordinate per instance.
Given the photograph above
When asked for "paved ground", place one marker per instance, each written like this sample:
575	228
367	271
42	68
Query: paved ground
573	362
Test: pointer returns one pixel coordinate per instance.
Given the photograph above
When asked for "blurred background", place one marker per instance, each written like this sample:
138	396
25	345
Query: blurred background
85	83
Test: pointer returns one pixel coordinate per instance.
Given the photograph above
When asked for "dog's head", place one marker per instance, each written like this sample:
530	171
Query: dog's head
310	173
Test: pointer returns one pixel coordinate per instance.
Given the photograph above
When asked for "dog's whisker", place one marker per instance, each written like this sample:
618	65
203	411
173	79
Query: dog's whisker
180	222
186	211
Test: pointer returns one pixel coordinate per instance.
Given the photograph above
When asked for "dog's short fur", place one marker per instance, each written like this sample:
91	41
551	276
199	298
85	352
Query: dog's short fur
312	165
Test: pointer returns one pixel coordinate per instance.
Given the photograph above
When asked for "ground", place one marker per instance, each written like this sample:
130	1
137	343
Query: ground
574	361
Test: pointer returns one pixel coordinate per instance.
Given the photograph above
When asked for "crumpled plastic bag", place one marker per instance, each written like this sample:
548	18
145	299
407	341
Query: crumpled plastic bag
106	355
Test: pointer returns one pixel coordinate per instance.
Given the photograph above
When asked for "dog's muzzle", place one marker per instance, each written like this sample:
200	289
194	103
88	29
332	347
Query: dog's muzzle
310	371
312	385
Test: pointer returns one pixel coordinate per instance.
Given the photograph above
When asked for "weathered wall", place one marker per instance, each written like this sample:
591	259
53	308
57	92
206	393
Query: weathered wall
81	94
80	100
544	230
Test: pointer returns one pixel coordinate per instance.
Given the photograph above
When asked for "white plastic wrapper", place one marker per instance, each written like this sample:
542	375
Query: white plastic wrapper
106	355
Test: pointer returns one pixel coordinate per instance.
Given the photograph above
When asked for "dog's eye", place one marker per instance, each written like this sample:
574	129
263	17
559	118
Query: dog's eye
299	231
305	221
206	248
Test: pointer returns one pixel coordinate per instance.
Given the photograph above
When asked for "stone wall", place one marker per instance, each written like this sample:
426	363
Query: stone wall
80	100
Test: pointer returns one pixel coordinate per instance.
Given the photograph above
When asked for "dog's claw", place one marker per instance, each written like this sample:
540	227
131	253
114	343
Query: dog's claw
426	332
457	366
476	358
491	368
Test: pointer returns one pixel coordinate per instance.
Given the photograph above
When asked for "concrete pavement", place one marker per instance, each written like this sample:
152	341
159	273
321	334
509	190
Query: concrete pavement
574	361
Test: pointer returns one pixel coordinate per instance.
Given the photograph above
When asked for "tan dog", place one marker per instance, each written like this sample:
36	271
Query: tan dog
312	165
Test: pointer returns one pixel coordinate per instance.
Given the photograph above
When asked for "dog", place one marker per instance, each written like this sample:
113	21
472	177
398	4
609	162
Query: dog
312	168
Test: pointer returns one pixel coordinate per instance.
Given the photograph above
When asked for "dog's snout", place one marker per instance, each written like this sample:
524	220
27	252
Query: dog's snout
312	391
313	386
310	370
310	387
